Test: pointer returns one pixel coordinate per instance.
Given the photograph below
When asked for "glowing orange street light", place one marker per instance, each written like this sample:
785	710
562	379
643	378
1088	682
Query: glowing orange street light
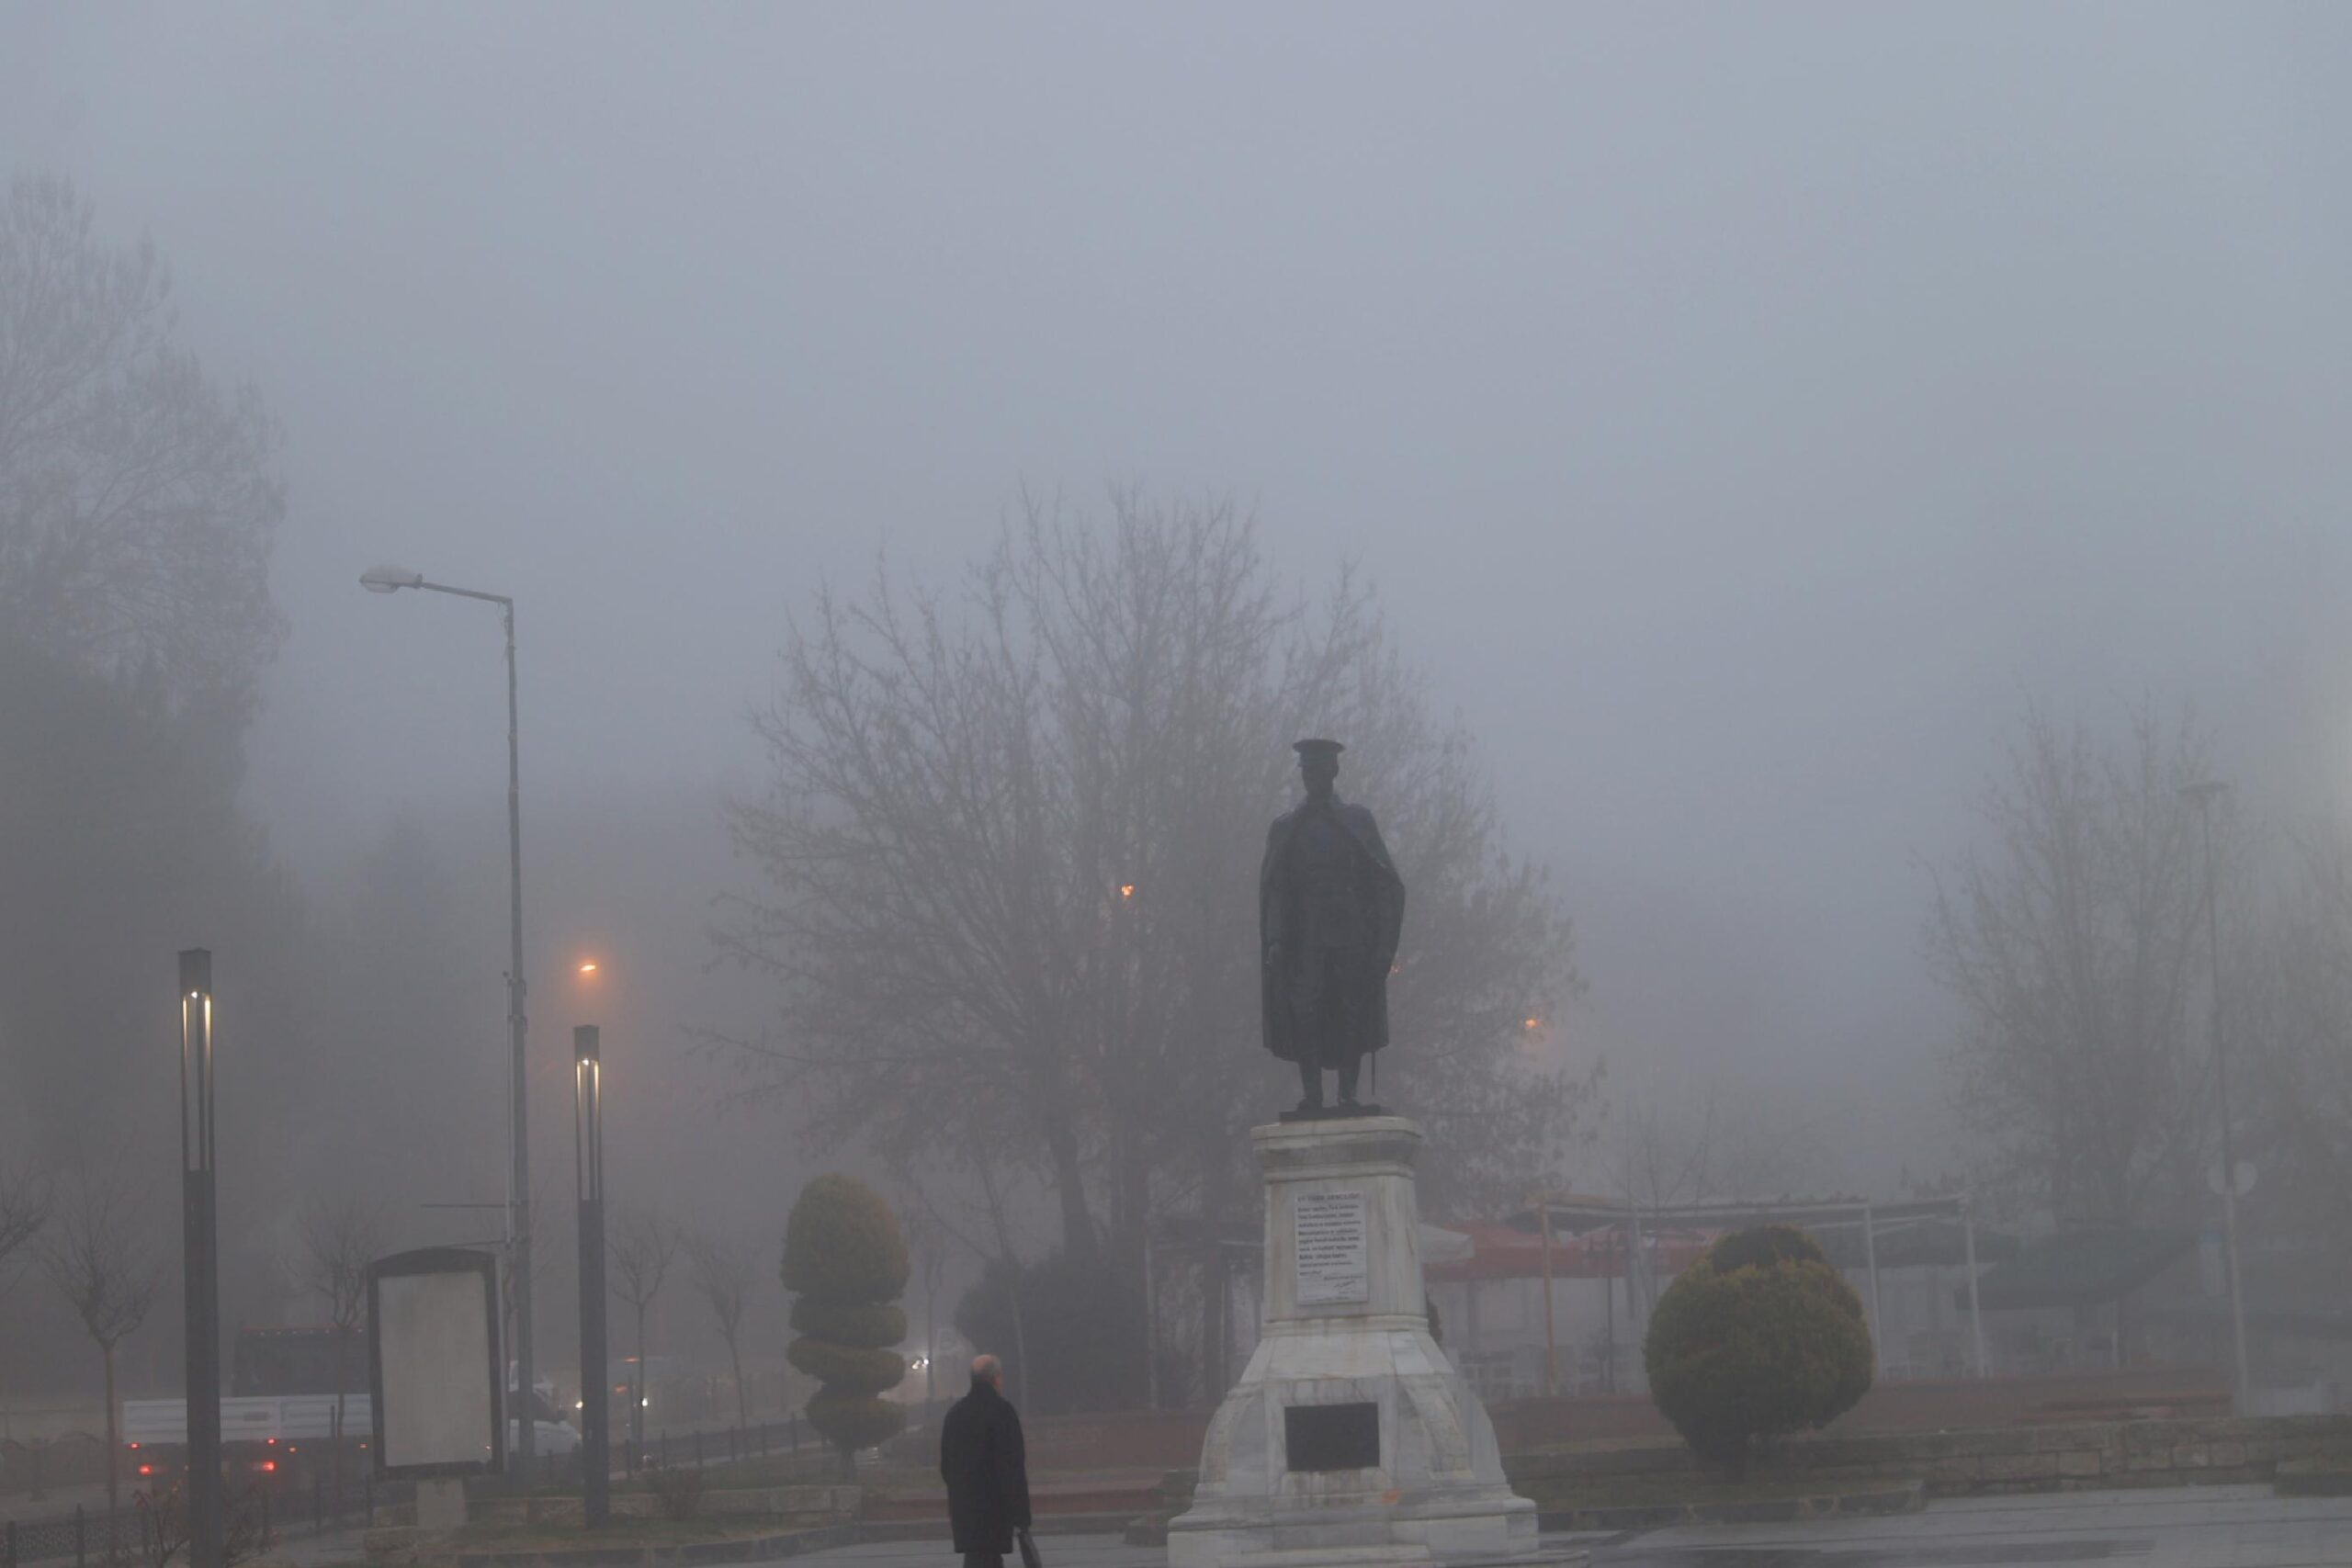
1126	889
1535	1024
588	967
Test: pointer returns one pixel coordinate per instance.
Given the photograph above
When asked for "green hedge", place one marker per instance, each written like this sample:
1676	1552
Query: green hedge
846	1261
845	1370
868	1324
843	1244
1774	1343
854	1421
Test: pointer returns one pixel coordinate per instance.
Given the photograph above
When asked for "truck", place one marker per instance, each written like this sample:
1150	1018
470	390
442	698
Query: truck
279	1422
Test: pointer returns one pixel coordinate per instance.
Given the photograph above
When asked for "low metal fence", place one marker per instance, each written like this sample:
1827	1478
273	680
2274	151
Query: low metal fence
127	1535
713	1445
130	1534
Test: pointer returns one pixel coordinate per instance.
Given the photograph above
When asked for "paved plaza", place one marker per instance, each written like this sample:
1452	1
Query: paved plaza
2215	1527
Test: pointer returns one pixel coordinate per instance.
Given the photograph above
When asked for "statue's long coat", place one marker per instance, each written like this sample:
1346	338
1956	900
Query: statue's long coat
1388	927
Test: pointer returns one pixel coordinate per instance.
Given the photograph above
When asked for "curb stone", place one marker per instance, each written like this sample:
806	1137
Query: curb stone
2313	1478
1877	1499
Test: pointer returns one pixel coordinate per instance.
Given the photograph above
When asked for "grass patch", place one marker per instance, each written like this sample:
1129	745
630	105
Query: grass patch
1652	1491
620	1530
809	1467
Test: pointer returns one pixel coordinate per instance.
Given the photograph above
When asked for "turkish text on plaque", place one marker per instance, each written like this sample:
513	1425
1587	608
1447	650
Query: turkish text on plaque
1334	1261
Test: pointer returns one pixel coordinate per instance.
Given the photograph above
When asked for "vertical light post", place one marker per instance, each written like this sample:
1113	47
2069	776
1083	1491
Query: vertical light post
2203	794
595	1377
200	1271
390	579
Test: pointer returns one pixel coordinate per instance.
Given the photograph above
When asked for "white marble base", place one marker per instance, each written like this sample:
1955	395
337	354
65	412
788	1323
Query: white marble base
1437	1496
441	1505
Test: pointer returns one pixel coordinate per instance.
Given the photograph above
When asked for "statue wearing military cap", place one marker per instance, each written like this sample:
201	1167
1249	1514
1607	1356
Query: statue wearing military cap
1330	911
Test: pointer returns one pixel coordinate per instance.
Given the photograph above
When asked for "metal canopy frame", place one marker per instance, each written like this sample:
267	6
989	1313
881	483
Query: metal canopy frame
1578	1214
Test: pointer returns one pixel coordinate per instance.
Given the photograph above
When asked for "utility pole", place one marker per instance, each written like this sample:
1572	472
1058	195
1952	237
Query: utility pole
518	1191
391	580
2203	794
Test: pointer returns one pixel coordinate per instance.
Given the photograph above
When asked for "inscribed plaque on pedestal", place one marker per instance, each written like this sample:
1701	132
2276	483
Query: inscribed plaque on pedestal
1333	1258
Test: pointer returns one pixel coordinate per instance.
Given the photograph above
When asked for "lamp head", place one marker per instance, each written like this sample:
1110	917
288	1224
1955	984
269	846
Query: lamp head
390	579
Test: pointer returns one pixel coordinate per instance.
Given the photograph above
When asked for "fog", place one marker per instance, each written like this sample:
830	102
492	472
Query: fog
1743	415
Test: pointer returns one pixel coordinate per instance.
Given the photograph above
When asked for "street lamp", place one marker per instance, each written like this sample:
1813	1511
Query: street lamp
389	579
595	1381
2203	794
200	1264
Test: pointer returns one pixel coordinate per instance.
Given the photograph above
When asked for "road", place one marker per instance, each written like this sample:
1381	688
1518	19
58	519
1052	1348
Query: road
2214	1527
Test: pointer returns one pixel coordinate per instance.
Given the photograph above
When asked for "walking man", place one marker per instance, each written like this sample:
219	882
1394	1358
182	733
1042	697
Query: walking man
987	1471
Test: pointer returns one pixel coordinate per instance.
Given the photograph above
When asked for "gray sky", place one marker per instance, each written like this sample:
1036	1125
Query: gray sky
1744	410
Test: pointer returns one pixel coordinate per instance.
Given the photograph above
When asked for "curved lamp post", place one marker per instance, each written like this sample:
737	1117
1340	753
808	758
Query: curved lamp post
391	580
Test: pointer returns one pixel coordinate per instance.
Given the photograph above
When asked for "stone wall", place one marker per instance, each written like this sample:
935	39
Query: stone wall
2088	1456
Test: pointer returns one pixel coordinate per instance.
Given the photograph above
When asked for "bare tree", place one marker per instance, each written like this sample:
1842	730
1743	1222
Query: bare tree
723	1274
993	1221
1013	844
100	1264
1661	1153
137	505
24	1207
338	1239
2074	947
643	1247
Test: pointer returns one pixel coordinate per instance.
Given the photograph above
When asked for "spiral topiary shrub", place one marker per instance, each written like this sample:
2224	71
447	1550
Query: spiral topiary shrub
846	1262
1760	1337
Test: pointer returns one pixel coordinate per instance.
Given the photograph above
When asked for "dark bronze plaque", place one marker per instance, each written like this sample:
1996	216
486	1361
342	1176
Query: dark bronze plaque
1331	1437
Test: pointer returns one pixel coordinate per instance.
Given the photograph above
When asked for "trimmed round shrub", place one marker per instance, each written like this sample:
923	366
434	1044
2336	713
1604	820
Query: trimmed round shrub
869	1323
845	1259
843	1244
855	1421
1758	1338
846	1371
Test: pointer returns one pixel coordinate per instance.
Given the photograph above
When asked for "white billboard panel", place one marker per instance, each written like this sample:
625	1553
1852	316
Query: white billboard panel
433	1333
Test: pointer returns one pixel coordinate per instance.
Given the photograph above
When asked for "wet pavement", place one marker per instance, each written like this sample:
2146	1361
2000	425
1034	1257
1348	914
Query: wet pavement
2216	1527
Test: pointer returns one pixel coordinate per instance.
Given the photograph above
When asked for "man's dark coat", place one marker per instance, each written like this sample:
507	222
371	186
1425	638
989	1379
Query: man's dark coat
1388	928
987	1470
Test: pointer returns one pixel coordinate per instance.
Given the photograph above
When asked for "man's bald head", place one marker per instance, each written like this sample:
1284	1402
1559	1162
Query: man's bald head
987	1369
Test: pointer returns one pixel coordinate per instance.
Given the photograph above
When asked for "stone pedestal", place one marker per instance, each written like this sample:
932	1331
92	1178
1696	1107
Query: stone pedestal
1349	1438
441	1505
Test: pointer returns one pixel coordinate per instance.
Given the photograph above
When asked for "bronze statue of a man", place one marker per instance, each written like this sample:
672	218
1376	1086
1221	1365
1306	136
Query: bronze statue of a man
1330	910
